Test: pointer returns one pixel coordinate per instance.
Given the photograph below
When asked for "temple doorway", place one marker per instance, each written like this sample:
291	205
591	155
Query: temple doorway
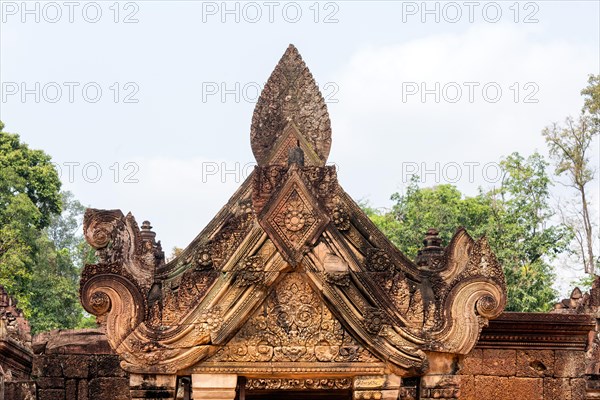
296	395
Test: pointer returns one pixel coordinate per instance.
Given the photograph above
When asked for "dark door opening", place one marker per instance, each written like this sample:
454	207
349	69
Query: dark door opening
298	395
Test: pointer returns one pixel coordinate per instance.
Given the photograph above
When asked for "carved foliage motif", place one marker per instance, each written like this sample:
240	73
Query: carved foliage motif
401	291
118	241
290	94
293	325
191	289
211	319
229	237
203	259
245	207
298	384
251	271
337	278
126	256
378	261
125	290
340	218
374	320
290	139
100	302
265	181
322	181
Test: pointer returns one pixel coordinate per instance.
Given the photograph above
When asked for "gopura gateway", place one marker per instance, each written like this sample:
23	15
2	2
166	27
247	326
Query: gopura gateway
290	289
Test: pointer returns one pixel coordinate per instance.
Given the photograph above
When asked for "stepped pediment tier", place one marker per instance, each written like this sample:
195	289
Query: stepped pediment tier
290	274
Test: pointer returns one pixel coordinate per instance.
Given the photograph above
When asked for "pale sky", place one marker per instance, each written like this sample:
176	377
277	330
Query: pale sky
157	96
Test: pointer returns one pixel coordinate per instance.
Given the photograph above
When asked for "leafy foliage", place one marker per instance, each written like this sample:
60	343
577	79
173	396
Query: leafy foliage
570	146
29	197
40	249
591	94
61	251
522	235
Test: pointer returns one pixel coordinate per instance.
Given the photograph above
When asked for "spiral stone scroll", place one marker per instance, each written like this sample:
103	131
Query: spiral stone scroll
117	304
100	225
476	294
114	289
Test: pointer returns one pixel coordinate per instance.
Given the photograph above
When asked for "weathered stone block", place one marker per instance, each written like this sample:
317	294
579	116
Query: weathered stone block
578	386
524	389
75	366
169	394
390	381
50	382
592	383
107	365
490	387
109	388
557	389
408	393
443	363
499	362
19	390
467	388
79	341
569	364
46	366
51	394
535	363
71	389
471	364
82	390
501	388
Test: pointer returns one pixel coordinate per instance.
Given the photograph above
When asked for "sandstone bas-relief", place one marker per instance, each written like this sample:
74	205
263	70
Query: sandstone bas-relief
289	232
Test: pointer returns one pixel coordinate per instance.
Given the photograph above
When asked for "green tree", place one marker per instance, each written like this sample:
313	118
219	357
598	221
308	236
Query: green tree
591	94
41	248
419	209
29	197
61	253
522	235
570	146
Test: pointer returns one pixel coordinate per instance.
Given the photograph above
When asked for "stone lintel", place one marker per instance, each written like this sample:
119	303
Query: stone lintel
376	387
214	386
540	331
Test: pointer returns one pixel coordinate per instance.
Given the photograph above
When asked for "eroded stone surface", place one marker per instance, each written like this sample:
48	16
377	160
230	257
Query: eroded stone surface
77	365
535	363
499	362
569	363
557	389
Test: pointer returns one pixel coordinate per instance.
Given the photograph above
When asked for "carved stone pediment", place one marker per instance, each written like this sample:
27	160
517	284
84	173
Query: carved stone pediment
291	275
292	325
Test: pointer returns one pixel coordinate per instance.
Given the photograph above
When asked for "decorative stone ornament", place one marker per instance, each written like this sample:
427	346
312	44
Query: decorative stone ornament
290	276
293	220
